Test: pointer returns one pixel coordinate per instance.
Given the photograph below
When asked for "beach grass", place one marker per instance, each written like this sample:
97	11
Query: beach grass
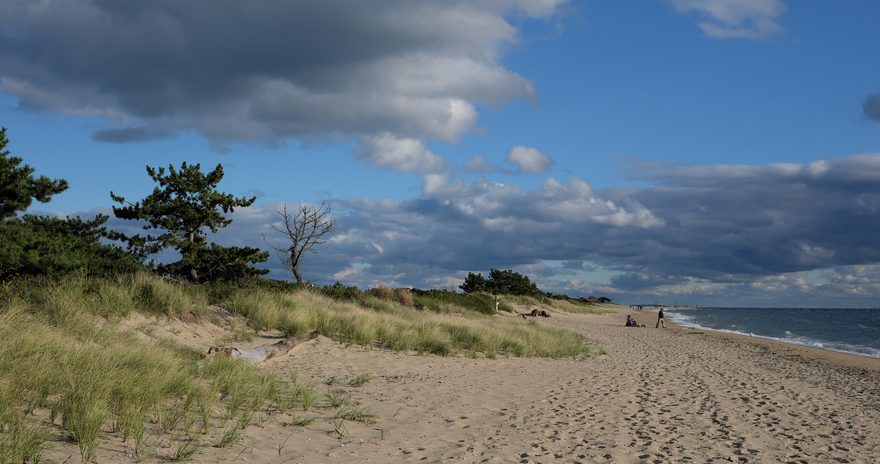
69	371
568	305
361	380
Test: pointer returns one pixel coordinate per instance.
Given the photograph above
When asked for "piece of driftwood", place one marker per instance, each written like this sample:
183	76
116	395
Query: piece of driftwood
263	352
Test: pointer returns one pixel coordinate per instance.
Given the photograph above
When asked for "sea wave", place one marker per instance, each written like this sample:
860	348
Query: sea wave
686	320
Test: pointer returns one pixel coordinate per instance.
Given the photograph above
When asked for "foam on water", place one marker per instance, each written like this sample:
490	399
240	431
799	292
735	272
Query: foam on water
701	319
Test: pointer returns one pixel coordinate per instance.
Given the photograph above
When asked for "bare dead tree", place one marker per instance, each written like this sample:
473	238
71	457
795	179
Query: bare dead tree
306	229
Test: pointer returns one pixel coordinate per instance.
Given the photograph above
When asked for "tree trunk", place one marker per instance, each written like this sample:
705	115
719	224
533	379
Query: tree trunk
297	274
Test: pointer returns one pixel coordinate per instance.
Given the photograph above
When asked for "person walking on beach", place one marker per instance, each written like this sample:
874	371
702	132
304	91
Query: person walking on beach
660	319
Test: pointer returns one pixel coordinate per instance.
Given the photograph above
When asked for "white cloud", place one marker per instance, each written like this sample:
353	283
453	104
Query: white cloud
725	19
400	154
529	160
480	164
443	186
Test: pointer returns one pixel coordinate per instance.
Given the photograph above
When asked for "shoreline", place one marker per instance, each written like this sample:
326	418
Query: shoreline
649	317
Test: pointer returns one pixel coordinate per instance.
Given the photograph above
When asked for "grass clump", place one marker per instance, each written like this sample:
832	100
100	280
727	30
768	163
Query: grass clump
22	440
90	379
337	398
161	297
402	296
187	447
261	308
361	380
306	395
443	301
303	421
362	415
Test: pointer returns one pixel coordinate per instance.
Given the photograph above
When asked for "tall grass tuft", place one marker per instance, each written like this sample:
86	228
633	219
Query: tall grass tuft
442	301
153	294
90	379
261	308
25	439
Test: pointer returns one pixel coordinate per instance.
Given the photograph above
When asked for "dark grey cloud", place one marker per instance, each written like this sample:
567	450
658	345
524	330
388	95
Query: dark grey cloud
637	281
264	69
130	134
871	106
730	223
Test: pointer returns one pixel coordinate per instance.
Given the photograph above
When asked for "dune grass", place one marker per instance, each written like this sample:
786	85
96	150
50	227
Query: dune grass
108	297
448	322
68	372
388	324
441	301
568	305
74	378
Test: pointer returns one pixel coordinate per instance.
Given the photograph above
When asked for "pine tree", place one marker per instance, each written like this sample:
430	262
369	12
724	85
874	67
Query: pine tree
474	283
182	208
500	282
45	245
18	186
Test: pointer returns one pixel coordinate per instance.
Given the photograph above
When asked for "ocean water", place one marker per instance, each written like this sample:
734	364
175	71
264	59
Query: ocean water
847	330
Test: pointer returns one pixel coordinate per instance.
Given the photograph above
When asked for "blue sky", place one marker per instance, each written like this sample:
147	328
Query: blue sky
718	152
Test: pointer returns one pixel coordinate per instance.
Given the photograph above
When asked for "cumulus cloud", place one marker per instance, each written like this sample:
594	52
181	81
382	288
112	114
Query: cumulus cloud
480	164
871	106
400	154
265	70
529	160
525	160
726	19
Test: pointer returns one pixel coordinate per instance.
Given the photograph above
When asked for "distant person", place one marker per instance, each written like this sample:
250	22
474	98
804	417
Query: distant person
660	322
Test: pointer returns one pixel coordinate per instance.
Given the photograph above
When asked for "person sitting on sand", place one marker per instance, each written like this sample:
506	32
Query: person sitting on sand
535	313
630	322
660	322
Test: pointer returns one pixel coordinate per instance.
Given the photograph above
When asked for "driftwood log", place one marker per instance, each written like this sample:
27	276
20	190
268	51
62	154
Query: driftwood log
263	352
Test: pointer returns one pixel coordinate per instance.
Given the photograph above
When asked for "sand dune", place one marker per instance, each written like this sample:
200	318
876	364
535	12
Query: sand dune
671	395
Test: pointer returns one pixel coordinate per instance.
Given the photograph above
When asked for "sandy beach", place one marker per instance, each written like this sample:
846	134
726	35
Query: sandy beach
656	396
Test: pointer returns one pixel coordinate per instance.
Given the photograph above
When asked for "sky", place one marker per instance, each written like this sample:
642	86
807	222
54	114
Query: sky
704	152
